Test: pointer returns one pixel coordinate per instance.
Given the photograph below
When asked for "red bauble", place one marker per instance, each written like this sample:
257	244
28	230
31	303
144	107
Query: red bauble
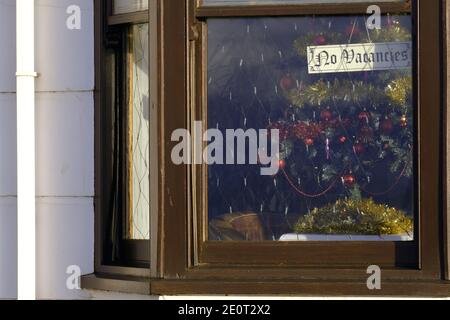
306	130
343	139
309	141
359	148
287	83
346	122
282	128
349	180
326	115
364	116
320	40
366	133
387	126
282	164
352	31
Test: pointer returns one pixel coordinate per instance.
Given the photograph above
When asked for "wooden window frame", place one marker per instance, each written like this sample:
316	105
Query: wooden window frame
182	263
293	254
134	250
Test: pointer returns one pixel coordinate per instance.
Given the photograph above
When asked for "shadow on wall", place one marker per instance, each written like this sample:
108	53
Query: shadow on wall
8	247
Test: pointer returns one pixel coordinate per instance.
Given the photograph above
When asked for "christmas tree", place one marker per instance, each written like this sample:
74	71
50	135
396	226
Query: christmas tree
345	136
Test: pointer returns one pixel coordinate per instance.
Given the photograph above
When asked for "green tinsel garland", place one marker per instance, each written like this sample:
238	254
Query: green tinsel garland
355	217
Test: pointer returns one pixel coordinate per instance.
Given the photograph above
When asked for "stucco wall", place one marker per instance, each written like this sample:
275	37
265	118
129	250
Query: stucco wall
64	144
8	186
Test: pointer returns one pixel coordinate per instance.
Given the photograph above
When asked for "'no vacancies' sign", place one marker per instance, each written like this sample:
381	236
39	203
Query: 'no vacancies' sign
359	57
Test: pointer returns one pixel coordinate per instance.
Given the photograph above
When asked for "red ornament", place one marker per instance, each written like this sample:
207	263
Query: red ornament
309	142
326	115
343	139
320	40
352	30
287	83
282	164
346	122
366	133
387	126
282	128
364	116
359	148
306	130
349	180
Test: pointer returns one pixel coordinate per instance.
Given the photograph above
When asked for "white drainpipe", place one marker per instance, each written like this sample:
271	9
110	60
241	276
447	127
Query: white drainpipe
26	205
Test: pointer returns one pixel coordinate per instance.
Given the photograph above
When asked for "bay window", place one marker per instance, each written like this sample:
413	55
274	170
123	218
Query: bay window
356	101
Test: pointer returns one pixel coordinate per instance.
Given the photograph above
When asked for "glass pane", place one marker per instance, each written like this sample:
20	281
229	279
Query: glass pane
258	2
137	223
340	96
127	6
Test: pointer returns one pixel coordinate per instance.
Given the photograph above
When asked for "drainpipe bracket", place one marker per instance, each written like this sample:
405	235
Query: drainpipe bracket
27	74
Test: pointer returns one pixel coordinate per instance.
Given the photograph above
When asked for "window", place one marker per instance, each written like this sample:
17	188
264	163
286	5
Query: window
343	155
124	159
346	128
358	114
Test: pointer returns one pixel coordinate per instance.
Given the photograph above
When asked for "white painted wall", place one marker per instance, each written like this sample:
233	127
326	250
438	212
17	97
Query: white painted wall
8	185
65	146
64	143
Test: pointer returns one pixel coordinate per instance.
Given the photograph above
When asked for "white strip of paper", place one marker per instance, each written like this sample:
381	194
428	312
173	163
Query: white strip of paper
359	57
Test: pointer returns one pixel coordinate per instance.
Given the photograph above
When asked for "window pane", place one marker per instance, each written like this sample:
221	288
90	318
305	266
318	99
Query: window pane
257	2
340	96
137	223
127	6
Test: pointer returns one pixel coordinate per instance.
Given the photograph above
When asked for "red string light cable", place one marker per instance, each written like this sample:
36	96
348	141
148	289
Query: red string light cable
324	192
307	195
397	181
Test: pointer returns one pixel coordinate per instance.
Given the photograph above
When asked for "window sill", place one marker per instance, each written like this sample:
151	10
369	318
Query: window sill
116	283
315	288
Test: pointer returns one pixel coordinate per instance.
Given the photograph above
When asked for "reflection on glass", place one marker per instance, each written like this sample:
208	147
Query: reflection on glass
137	223
127	6
341	97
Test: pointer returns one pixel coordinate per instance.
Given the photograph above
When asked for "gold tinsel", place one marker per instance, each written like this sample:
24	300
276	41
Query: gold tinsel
395	33
321	92
355	217
399	90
